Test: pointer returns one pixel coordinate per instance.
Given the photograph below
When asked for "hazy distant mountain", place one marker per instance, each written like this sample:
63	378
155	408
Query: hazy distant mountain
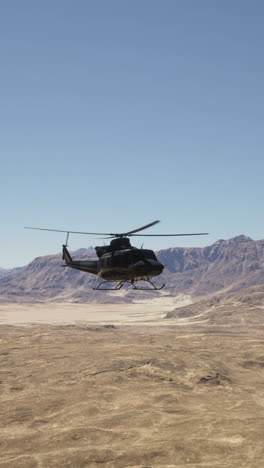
9	271
226	265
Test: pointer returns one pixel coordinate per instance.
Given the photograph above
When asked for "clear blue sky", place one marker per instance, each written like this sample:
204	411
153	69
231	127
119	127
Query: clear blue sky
116	113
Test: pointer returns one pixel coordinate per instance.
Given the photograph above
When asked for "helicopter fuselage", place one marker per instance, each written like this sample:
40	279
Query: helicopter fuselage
119	261
129	264
119	265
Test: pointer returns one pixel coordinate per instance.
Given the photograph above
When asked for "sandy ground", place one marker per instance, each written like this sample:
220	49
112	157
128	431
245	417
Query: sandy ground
149	312
75	393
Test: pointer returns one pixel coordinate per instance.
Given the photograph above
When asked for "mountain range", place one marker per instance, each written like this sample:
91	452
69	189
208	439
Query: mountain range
225	266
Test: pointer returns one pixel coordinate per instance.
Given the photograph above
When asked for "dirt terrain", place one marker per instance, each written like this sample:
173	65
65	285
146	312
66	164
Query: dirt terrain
126	394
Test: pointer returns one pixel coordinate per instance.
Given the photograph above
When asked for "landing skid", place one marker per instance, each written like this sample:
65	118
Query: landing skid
132	282
154	287
118	286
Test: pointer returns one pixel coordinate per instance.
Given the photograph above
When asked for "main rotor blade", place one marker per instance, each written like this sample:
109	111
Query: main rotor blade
168	235
160	235
113	235
141	228
71	232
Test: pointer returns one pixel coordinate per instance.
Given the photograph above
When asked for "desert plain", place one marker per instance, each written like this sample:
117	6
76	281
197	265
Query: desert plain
129	385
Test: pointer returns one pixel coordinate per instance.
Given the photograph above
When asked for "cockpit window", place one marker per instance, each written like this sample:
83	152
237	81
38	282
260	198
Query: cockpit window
150	254
136	256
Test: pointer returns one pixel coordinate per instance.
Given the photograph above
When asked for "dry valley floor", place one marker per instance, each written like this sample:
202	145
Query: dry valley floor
108	395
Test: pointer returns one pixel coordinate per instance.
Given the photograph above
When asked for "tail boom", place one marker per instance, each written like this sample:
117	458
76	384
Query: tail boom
88	266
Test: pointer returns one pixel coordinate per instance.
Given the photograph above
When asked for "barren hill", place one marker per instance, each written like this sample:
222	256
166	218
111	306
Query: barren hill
243	308
226	265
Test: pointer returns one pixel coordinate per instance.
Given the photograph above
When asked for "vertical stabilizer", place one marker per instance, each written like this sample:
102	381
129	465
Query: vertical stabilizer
65	255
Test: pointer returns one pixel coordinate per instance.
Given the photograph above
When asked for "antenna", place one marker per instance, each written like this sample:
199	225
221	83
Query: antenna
67	238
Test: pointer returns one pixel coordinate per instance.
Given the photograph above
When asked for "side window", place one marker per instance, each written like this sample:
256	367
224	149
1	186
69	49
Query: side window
109	262
106	262
124	259
135	256
116	260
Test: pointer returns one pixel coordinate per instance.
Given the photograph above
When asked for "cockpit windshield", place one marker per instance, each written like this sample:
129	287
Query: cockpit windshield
150	255
140	254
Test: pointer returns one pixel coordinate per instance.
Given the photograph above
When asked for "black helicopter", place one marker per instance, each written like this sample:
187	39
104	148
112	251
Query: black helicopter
119	261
